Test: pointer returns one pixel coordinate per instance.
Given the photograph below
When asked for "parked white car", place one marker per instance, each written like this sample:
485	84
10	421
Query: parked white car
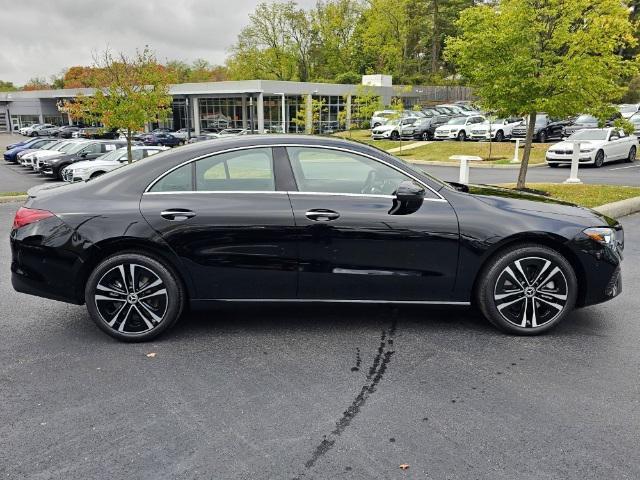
458	128
35	158
25	159
182	133
87	169
597	146
497	129
392	129
28	129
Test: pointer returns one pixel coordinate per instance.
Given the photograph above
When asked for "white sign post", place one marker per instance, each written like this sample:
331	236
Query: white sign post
575	163
516	152
464	166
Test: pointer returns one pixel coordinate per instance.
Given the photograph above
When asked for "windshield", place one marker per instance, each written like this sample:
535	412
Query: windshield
393	122
73	147
628	108
114	155
635	118
457	121
589	134
586	119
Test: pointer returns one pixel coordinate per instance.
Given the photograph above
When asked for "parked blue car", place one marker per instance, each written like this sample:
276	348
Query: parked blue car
11	154
164	139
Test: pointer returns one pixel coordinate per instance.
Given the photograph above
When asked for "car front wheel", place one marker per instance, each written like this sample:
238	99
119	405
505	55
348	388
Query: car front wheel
527	289
133	297
632	155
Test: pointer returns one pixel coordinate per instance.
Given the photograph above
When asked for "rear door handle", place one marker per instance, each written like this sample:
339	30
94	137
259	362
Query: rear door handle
177	214
322	215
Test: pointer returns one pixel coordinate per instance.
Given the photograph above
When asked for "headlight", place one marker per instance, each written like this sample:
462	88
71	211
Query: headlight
586	150
78	171
602	235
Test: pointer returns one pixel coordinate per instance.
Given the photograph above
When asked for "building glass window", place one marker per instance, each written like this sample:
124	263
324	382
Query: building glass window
220	113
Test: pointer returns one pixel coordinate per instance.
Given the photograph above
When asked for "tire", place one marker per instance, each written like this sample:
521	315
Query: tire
462	136
127	317
599	160
542	137
632	155
553	165
499	136
546	302
425	136
395	135
96	174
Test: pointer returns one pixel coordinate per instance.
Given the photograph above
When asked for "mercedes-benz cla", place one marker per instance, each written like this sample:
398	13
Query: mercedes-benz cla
305	219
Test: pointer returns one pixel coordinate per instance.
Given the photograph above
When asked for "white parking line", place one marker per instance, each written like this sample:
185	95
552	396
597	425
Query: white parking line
622	168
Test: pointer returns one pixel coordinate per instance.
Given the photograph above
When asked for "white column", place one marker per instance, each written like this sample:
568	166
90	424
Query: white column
347	122
516	158
308	122
284	113
196	115
260	108
244	111
575	163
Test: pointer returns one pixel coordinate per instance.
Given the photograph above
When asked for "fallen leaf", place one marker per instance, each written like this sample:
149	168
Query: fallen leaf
151	355
404	466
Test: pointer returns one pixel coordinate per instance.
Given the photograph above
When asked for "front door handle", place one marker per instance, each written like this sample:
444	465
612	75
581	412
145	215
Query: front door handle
177	214
322	215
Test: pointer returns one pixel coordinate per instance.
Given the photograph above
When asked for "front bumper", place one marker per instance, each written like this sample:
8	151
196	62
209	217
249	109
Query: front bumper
586	158
381	135
439	135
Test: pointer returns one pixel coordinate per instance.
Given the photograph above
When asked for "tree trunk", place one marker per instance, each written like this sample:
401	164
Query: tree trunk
435	45
129	155
522	176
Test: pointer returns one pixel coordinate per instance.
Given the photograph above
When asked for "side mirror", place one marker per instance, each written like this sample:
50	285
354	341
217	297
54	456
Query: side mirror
409	198
84	154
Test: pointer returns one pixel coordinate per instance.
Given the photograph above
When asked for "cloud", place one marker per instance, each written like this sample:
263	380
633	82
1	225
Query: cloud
43	38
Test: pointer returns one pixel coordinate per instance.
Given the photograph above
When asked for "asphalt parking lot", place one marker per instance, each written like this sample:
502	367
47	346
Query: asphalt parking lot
320	392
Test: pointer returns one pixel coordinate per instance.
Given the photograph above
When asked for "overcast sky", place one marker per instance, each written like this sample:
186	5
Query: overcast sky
41	38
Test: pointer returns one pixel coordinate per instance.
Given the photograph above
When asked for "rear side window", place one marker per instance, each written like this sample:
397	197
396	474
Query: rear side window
242	170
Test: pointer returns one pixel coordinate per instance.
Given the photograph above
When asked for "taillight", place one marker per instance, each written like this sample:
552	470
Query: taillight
25	216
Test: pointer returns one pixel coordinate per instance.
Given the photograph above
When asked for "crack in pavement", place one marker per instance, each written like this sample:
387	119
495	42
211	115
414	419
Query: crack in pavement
374	376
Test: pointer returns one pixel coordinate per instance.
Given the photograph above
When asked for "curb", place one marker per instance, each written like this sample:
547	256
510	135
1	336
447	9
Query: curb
13	198
473	165
620	208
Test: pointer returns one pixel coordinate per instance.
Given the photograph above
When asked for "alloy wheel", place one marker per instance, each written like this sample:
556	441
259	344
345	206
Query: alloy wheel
599	161
131	299
531	292
632	155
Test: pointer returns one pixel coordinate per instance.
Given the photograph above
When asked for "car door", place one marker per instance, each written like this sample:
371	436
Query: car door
617	145
353	245
225	218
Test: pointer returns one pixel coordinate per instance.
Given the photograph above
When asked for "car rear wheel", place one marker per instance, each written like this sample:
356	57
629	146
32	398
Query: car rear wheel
528	289
133	297
542	137
499	136
599	161
462	136
632	155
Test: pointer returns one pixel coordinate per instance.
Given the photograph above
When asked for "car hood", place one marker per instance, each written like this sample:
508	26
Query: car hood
508	199
381	128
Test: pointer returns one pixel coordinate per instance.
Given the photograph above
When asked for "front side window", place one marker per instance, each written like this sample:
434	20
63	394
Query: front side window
333	171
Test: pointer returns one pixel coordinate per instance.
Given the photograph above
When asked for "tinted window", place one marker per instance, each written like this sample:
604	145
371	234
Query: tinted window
242	170
180	180
332	171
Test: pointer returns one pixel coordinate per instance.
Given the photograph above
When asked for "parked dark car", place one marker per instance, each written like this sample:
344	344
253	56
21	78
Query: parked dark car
66	131
419	129
281	218
87	150
163	139
545	129
97	133
587	121
11	155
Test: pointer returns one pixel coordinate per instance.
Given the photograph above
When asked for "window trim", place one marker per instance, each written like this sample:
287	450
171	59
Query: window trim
147	191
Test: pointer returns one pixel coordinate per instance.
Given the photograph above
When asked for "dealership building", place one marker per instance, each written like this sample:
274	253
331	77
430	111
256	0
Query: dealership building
267	105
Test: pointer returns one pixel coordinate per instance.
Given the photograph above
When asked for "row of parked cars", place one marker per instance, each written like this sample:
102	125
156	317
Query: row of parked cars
74	159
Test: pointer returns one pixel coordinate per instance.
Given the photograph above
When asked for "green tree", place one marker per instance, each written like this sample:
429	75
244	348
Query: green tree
364	102
7	86
563	57
130	92
317	109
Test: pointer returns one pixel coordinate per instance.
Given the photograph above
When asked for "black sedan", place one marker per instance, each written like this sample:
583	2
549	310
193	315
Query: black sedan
305	219
161	139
